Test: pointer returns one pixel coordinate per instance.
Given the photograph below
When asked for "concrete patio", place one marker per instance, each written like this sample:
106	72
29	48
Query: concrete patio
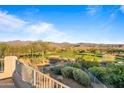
7	83
19	75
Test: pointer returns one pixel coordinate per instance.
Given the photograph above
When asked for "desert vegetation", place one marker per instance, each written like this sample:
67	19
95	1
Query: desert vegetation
105	62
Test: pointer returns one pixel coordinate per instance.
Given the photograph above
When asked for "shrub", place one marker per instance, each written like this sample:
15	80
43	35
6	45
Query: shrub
81	77
116	76
67	72
75	65
57	69
89	64
99	72
68	64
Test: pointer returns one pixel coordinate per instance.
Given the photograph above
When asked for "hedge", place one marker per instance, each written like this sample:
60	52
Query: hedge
57	69
81	77
99	72
67	72
75	65
87	65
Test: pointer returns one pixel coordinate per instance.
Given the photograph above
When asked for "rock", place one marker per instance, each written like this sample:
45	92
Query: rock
60	78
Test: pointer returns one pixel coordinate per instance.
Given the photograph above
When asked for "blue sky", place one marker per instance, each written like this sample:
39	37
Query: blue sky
75	24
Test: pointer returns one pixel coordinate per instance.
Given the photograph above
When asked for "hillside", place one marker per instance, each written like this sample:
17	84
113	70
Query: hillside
65	44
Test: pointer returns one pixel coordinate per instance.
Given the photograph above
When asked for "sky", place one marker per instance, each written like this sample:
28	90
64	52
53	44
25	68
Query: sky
65	23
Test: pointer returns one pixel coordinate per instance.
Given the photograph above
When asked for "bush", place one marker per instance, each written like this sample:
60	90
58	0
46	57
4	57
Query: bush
81	77
68	64
57	69
67	72
116	75
111	75
89	64
75	65
99	72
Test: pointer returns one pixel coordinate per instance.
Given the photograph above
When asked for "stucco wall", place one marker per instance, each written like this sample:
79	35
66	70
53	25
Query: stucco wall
9	67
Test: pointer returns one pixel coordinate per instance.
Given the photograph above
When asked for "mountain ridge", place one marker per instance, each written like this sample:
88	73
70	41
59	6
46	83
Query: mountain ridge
20	42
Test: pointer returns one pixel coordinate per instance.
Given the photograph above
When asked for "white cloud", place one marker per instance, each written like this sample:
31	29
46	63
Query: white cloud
112	16
9	21
93	9
41	27
48	30
40	30
122	8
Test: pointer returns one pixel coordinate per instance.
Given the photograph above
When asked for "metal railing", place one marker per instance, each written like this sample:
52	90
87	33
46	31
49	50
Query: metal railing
36	78
95	83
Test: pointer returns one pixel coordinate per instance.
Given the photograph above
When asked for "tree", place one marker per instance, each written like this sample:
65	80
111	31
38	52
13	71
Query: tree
3	48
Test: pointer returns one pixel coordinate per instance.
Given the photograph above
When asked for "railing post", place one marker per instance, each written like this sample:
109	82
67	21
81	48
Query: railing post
38	79
34	77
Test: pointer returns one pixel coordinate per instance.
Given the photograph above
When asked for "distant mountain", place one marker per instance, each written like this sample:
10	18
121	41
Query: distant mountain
18	42
66	44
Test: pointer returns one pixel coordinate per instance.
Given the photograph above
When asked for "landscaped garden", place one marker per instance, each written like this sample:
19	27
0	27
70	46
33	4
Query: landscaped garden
110	75
72	63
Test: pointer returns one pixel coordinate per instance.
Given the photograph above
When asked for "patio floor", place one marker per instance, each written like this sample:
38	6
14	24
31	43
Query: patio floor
7	83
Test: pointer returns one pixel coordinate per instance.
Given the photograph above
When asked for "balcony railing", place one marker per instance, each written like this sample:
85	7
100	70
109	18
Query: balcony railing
36	78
